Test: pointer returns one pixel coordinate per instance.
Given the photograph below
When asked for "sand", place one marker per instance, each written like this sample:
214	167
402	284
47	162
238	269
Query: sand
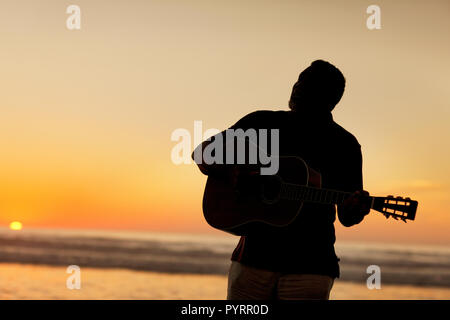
24	281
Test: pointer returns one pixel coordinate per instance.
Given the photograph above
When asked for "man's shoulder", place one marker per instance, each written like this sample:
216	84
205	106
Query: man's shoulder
261	117
266	114
345	135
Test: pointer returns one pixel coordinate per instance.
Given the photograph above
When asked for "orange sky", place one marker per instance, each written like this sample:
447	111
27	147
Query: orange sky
86	116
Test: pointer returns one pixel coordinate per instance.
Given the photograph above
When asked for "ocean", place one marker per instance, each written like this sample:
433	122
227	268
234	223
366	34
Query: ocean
199	254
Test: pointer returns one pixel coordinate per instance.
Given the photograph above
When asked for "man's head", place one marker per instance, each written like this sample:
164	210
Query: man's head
319	87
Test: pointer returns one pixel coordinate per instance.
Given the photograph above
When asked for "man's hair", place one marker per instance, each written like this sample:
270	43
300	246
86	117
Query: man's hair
320	86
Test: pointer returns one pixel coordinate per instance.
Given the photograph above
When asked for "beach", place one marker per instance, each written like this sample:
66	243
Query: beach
149	265
26	281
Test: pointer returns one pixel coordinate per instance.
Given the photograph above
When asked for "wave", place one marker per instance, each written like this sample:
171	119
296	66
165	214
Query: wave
201	254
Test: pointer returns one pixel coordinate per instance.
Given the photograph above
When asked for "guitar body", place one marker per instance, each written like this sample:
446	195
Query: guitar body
238	201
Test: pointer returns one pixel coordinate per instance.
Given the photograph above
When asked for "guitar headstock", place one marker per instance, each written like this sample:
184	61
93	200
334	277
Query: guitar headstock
397	208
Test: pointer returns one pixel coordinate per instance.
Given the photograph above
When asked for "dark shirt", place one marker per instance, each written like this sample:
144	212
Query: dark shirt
307	244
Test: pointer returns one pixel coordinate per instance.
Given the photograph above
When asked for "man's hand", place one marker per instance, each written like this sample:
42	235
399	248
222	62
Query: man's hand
353	210
358	202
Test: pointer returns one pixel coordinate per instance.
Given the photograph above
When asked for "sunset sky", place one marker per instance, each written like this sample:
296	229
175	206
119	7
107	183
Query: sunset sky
86	115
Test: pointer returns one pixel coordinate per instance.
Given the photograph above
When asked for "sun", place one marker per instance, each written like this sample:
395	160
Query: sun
15	225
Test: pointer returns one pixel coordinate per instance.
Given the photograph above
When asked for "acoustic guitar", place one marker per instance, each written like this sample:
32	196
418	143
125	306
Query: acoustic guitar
237	201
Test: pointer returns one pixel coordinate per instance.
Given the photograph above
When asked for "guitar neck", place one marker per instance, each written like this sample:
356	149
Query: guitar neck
310	194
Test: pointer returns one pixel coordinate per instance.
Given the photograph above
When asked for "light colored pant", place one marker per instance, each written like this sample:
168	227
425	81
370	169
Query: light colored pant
248	283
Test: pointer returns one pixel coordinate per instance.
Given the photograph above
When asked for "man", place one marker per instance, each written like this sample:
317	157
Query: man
299	261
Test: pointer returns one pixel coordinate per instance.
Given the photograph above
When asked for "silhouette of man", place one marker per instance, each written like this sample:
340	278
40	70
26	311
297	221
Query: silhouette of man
299	261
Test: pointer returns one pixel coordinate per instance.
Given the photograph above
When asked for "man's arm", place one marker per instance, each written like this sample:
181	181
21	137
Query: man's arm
353	210
219	168
199	159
